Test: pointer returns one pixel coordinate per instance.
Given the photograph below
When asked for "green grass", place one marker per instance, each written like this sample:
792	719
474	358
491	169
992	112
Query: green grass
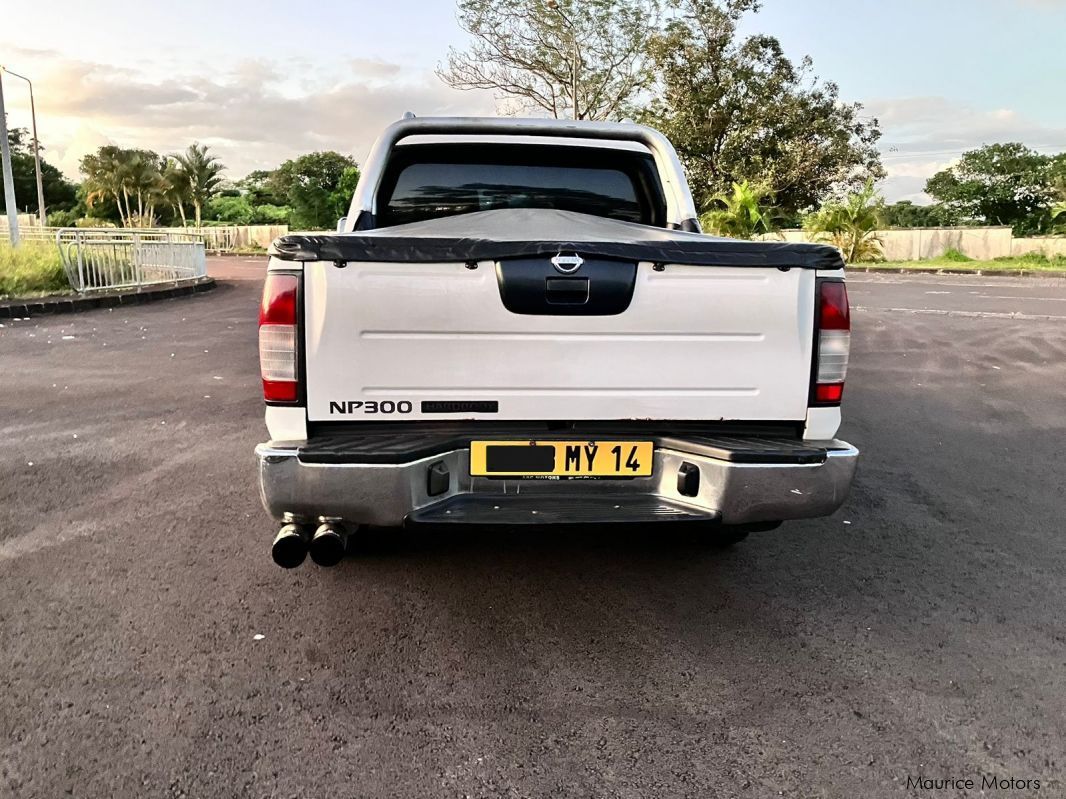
31	269
1033	262
956	257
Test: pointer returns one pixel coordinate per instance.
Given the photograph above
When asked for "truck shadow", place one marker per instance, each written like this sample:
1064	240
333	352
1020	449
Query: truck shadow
429	540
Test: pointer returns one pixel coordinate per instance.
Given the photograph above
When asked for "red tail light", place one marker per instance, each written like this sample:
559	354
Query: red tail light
834	342
277	338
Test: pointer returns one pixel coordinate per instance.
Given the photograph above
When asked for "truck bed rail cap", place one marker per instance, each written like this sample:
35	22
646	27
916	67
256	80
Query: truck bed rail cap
526	232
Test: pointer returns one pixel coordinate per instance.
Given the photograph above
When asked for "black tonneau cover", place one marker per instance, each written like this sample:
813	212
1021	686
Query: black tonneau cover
524	232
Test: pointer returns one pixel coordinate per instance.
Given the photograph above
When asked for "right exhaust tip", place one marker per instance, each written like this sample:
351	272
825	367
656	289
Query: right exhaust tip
290	546
328	545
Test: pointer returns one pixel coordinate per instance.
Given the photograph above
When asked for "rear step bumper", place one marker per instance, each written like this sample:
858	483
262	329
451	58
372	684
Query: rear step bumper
732	480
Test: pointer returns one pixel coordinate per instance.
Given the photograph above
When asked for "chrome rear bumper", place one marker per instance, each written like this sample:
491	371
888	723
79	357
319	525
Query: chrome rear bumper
389	494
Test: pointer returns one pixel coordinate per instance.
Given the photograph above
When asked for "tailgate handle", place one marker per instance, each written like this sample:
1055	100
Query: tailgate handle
566	290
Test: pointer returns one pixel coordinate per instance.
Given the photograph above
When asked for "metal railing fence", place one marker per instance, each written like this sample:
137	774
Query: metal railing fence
222	239
30	232
113	258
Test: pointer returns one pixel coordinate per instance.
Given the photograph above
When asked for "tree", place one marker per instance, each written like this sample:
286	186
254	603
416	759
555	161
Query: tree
176	189
584	59
1001	184
341	197
851	224
259	187
1058	210
59	193
104	178
268	214
133	179
1057	181
102	208
203	173
743	214
738	109
234	210
144	184
905	214
311	185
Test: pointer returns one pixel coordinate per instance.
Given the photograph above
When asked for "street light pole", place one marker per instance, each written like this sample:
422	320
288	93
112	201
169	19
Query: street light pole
36	150
9	179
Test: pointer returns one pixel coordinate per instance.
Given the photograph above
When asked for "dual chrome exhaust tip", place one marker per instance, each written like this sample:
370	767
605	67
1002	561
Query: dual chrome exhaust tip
294	542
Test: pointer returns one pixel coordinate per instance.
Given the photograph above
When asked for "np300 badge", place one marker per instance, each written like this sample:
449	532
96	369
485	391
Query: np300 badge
567	264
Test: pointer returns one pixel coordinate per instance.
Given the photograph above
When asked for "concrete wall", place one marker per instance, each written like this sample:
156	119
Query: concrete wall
980	243
1048	245
918	244
25	220
231	237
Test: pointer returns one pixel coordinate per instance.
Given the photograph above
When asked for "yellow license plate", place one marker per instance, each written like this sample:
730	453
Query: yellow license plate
561	458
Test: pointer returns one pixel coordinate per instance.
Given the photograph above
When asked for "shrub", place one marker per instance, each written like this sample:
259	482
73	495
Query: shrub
232	210
94	221
1037	259
955	256
272	215
1040	257
743	214
1058	218
62	218
32	267
851	225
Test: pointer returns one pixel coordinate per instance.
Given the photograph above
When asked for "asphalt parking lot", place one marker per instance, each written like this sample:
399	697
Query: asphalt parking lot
150	648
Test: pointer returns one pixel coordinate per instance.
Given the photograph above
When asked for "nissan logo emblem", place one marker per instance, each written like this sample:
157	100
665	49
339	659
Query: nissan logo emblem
567	263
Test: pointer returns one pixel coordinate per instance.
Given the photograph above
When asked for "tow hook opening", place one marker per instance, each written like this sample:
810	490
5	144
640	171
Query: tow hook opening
688	480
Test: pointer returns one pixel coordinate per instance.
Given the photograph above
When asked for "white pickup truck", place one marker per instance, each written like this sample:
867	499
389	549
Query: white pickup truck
519	322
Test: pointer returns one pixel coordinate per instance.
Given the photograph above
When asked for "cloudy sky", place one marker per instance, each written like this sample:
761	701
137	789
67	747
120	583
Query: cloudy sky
264	81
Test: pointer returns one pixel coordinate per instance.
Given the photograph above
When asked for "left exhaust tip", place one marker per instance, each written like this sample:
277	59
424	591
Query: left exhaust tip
290	546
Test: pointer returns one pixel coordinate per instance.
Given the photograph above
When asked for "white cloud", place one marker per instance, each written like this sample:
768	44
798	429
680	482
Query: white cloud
923	135
911	123
254	115
84	139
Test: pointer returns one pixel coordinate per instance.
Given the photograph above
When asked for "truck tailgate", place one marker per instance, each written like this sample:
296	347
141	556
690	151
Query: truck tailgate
434	341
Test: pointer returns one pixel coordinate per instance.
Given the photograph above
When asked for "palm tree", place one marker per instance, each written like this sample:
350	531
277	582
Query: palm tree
132	178
203	173
743	214
1056	227
104	176
176	189
143	180
851	225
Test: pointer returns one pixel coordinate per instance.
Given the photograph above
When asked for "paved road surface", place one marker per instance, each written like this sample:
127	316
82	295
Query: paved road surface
996	297
920	631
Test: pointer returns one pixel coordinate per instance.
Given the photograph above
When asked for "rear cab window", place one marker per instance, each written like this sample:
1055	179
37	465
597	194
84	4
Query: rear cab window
429	181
